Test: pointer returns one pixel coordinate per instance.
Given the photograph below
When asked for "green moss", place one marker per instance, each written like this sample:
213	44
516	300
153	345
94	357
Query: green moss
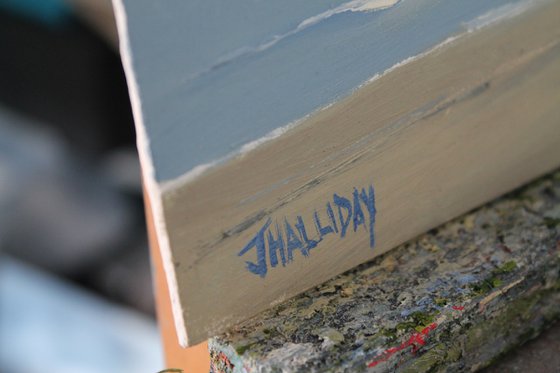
435	358
495	280
241	349
406	325
485	286
517	313
417	321
505	268
551	223
454	353
482	287
389	333
423	318
440	301
428	361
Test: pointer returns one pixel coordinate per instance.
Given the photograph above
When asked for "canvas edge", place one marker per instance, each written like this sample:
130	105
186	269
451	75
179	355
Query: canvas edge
148	172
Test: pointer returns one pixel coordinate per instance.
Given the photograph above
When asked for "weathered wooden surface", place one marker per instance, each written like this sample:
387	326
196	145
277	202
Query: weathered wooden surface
453	299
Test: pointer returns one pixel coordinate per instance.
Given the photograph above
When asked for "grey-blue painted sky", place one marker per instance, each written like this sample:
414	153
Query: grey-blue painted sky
198	108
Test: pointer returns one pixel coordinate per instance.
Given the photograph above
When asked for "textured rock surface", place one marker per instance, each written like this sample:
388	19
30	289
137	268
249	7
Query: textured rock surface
540	355
454	299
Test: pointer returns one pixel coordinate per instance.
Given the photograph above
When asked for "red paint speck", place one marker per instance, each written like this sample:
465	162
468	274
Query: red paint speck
505	248
226	363
416	340
458	308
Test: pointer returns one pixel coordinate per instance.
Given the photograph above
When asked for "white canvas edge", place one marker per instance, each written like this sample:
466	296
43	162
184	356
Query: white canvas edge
148	172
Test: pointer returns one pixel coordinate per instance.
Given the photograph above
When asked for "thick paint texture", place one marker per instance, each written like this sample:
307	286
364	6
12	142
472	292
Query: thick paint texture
215	75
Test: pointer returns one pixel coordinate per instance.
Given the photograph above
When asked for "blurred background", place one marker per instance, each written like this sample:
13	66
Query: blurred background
75	282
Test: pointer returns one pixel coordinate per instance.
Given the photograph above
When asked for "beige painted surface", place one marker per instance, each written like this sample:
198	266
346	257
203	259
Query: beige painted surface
436	137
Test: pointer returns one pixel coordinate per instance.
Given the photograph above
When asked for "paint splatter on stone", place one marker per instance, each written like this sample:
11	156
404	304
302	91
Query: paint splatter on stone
454	299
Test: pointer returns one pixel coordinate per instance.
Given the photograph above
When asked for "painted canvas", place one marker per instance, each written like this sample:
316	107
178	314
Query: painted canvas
285	142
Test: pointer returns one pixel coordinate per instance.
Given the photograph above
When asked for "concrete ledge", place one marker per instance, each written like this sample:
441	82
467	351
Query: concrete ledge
452	300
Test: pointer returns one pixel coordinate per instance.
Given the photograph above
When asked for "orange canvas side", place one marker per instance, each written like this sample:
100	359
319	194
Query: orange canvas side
195	359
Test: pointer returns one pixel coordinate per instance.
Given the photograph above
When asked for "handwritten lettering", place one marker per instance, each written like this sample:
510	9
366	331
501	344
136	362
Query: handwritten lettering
285	240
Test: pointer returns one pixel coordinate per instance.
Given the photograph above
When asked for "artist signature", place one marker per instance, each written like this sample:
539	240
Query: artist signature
280	240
